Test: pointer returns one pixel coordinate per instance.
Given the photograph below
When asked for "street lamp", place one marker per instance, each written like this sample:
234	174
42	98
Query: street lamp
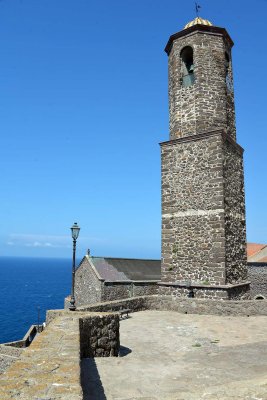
74	233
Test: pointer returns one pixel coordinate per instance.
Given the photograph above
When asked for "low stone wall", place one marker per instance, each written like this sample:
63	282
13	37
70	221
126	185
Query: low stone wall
99	336
184	305
133	303
11	351
206	306
27	339
16	343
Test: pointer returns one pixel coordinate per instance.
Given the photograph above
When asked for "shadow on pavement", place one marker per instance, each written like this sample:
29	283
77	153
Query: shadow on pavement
124	351
91	383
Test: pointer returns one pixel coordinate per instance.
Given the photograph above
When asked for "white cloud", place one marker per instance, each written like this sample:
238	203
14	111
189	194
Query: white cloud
46	241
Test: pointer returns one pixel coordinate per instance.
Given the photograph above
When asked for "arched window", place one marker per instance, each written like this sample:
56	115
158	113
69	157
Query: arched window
187	66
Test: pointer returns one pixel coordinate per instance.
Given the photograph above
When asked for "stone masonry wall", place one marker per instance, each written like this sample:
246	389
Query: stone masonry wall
206	306
134	304
116	290
99	336
88	286
123	290
234	206
144	288
185	305
207	104
238	292
193	210
257	275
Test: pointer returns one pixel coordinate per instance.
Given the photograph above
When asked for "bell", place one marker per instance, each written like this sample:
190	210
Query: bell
191	68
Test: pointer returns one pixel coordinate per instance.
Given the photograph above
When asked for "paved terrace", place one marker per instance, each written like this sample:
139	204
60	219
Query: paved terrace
167	356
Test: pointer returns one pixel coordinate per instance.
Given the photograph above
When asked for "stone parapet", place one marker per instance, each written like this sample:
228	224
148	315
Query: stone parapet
185	305
99	336
133	303
244	308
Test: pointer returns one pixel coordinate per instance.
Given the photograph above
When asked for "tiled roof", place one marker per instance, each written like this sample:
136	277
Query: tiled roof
253	248
125	269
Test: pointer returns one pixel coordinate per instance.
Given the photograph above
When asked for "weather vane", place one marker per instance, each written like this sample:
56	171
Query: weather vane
198	7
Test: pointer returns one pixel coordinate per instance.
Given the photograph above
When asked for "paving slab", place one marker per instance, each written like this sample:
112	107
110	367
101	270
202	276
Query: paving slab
167	355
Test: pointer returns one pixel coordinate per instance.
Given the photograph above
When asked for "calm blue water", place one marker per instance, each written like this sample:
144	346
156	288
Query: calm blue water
28	283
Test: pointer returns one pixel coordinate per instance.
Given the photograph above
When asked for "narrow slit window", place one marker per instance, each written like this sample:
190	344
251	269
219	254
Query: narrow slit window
228	79
188	74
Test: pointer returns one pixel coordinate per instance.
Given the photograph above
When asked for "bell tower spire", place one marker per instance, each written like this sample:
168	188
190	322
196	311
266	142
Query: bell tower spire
201	94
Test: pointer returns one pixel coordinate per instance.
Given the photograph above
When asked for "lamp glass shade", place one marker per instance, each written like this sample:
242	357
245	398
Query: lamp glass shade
75	231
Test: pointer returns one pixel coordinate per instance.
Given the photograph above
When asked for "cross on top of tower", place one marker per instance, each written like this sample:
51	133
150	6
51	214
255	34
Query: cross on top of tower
198	7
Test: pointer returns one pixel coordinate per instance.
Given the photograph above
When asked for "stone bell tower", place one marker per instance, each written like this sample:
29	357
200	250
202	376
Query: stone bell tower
203	203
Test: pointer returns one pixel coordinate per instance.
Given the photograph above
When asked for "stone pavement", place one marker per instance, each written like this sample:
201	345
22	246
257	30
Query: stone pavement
167	356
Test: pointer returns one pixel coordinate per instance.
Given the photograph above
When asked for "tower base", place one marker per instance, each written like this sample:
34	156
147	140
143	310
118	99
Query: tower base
240	291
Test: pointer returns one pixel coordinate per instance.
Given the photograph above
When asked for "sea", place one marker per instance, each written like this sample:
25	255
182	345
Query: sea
28	288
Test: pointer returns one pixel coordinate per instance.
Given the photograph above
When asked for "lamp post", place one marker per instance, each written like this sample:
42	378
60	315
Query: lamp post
74	233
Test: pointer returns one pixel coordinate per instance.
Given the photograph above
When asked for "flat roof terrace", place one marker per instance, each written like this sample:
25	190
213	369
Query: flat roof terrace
167	355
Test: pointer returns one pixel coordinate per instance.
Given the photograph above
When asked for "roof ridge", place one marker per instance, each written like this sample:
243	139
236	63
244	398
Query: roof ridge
127	258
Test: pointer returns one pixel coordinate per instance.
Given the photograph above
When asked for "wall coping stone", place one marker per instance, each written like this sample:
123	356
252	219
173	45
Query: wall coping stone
202	136
194	138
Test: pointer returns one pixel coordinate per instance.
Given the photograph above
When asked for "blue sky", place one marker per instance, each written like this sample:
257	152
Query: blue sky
83	106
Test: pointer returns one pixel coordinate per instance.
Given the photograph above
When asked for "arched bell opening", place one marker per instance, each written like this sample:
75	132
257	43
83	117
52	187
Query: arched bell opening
187	67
